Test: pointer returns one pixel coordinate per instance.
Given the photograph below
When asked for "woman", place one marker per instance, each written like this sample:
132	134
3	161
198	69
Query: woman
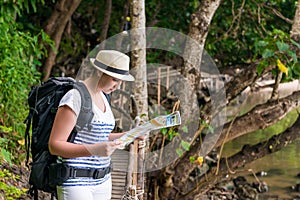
91	148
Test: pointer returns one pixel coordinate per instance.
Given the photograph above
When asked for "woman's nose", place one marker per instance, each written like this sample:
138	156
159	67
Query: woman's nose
117	86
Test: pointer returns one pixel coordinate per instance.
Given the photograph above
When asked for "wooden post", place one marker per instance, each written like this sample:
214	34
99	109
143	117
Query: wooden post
138	63
158	85
168	78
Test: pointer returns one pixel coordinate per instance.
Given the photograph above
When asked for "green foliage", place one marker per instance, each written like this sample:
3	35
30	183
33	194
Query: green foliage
179	152
11	144
170	132
4	143
19	54
236	27
72	46
11	192
184	129
275	49
18	6
207	126
184	146
18	61
19	58
192	159
167	14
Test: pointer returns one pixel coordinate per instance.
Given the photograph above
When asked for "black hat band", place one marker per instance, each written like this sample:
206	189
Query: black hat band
110	69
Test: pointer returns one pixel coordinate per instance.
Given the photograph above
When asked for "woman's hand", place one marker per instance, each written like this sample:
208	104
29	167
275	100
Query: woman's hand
114	136
103	148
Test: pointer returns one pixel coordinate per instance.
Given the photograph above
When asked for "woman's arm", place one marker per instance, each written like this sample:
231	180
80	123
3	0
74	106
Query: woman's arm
64	123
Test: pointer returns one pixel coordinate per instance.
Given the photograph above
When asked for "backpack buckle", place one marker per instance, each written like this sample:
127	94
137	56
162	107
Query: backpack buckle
98	174
73	172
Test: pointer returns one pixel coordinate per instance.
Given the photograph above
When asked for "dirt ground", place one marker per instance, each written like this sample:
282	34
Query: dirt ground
236	188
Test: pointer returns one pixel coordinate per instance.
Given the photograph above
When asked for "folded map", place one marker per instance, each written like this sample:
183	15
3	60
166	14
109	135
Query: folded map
159	122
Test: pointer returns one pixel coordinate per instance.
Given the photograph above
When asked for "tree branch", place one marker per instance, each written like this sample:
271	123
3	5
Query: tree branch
55	28
260	117
248	154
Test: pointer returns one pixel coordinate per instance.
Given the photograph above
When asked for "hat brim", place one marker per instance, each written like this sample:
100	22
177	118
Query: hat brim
122	77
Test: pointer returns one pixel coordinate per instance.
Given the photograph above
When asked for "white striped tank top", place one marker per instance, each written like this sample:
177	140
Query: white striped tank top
102	125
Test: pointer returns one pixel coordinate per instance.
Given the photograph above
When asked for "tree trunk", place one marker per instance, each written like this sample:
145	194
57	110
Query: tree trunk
138	62
106	21
198	30
295	31
138	56
55	27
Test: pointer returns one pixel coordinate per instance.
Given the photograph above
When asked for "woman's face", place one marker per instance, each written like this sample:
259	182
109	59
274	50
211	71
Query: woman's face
108	83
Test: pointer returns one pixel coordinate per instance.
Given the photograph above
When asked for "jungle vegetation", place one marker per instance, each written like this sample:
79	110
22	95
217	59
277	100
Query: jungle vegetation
246	39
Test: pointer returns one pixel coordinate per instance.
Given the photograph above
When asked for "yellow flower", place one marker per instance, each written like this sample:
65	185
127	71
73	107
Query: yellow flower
282	67
199	161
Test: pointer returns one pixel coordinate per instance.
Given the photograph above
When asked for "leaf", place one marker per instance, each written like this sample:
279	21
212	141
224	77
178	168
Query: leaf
204	123
296	69
192	159
261	43
143	115
3	141
293	55
267	53
185	145
179	152
6	155
282	67
164	131
261	66
211	129
185	129
6	129
282	46
295	43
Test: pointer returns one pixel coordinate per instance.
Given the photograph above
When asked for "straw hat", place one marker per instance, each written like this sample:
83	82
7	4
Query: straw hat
113	63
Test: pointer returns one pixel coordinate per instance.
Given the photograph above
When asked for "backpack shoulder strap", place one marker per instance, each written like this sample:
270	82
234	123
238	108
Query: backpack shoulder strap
86	111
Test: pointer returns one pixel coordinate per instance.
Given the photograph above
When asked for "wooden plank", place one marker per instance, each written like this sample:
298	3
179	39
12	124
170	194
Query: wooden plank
119	180
120	165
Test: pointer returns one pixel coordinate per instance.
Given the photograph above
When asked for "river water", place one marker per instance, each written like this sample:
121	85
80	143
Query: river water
281	170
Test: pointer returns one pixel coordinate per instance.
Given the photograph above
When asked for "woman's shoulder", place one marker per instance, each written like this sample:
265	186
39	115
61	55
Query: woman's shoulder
71	99
72	94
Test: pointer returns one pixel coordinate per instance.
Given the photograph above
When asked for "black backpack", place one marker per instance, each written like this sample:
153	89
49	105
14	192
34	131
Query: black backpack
43	102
